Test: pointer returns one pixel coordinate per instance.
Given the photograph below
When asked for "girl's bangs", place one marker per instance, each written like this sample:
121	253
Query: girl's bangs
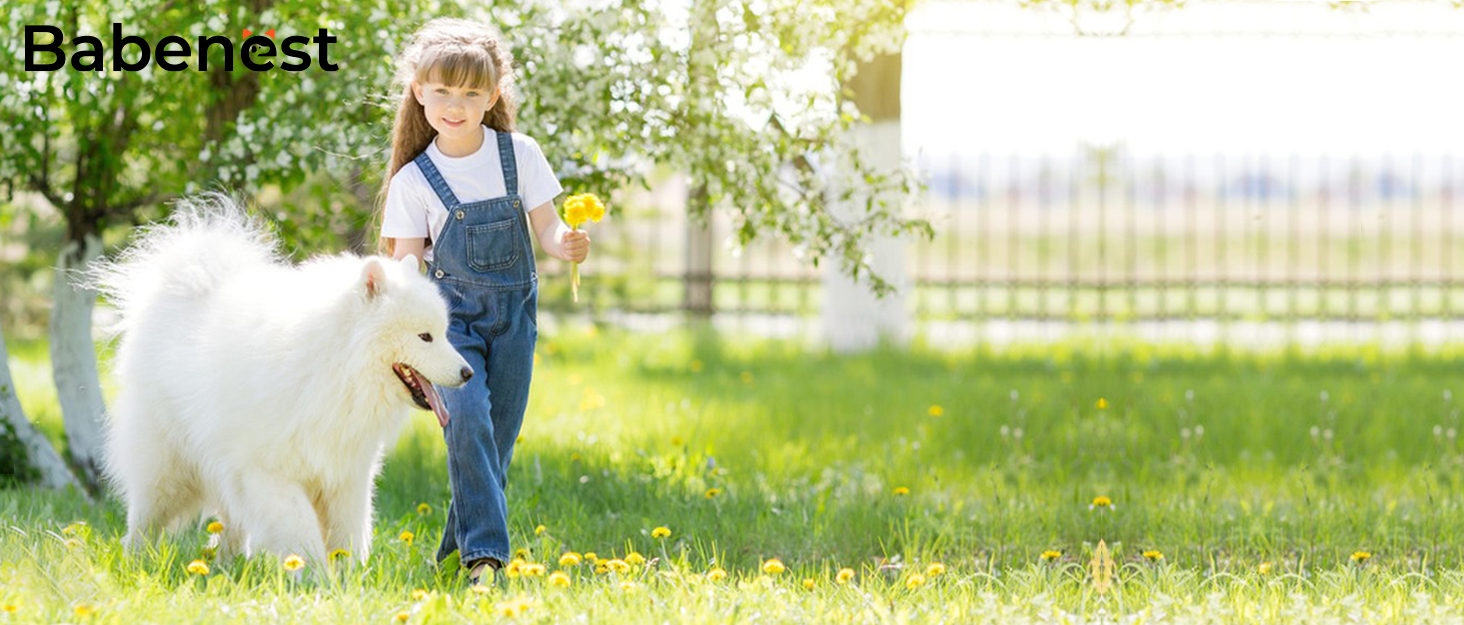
458	66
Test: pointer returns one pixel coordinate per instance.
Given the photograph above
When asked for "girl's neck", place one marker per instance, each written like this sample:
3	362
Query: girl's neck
461	147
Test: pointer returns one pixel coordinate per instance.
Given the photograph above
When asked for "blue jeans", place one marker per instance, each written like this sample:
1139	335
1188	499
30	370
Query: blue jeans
495	332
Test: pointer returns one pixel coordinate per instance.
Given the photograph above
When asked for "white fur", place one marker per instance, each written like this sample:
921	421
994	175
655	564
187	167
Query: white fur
259	390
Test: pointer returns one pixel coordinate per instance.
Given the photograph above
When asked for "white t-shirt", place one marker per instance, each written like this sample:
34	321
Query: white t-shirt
413	209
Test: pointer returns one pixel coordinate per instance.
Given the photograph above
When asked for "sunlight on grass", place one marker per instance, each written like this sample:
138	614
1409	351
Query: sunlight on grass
961	486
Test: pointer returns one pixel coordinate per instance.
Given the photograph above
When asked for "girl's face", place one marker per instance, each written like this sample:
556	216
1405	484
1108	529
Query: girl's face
455	112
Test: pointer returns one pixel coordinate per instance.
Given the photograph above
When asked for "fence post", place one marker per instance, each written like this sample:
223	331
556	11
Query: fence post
698	299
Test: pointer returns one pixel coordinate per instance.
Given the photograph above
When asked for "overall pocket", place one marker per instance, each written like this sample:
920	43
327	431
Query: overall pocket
492	246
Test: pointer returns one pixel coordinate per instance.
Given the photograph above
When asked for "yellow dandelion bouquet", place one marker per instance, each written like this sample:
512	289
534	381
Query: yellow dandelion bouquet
577	210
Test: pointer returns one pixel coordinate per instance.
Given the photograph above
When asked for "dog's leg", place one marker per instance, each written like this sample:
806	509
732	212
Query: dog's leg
156	484
347	518
276	514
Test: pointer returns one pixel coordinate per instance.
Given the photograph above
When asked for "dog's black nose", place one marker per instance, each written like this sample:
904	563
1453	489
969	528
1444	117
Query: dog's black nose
467	373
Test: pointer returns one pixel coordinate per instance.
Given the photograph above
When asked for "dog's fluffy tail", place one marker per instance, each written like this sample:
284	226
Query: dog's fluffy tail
209	237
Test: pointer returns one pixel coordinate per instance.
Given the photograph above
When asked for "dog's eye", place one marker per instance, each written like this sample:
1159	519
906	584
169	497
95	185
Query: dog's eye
426	337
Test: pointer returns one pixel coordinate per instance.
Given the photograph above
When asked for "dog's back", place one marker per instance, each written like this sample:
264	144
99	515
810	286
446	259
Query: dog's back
210	238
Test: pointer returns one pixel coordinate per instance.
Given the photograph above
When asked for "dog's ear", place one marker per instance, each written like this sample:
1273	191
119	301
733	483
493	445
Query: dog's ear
410	262
373	278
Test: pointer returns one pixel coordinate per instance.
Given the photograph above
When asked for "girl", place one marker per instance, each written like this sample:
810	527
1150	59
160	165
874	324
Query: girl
463	192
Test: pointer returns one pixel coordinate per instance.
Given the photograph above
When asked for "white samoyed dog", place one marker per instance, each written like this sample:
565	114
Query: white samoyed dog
261	391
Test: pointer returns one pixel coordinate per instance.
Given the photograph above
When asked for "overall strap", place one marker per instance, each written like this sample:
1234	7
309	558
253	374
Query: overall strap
435	179
510	166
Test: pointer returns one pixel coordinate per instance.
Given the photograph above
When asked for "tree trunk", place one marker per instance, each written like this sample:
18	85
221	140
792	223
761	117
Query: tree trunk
39	454
74	358
854	319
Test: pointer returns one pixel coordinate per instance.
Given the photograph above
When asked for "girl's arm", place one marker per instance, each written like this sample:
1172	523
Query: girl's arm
402	247
554	235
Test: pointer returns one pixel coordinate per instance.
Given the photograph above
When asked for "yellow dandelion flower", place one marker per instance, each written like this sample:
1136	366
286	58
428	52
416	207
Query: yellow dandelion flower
538	531
198	567
75	529
901	491
773	566
1264	568
1050	555
558	578
1102	404
10	608
521	553
339	553
696	366
713	492
634	559
512	607
479	589
716	575
402	617
1361	556
592	557
618	565
419	594
215	527
935	569
915	580
677	441
602	568
84	610
661	532
1153	556
581	208
935	410
407	537
294	563
570	558
533	570
808	583
1100	502
515	568
746	377
423	509
628	586
844	576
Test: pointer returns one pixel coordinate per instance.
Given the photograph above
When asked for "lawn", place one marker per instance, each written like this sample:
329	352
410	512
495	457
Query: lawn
956	486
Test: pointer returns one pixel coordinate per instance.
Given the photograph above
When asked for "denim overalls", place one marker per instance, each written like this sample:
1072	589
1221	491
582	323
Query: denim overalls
484	267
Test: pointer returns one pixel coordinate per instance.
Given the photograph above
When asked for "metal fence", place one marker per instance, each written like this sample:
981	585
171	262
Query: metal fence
1101	238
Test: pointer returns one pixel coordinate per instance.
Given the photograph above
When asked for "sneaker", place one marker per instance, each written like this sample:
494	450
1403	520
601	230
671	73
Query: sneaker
484	571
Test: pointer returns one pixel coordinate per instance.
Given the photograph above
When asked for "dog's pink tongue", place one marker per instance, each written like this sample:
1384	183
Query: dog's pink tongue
438	408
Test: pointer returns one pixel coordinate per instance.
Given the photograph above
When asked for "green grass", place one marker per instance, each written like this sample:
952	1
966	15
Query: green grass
1220	461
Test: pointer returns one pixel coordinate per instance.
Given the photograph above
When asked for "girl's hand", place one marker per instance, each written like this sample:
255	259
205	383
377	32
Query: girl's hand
576	245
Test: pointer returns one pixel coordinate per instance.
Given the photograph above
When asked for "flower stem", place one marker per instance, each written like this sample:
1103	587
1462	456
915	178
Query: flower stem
574	275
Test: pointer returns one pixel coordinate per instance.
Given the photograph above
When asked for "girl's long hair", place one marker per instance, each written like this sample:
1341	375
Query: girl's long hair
455	52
